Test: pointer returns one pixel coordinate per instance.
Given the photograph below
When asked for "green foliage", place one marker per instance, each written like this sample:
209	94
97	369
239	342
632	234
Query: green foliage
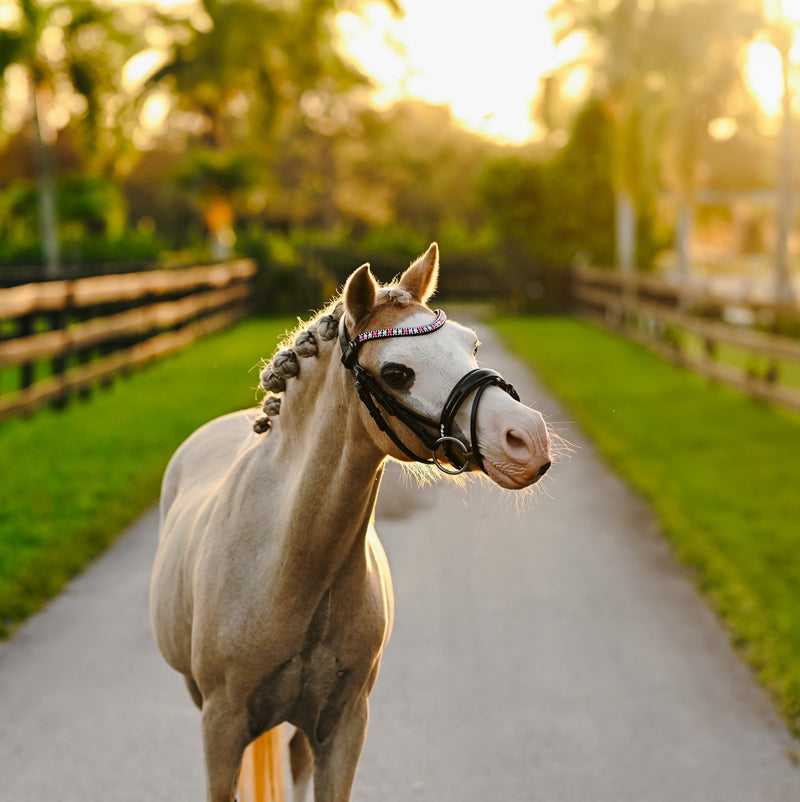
131	245
92	224
267	119
400	239
561	209
19	216
96	42
266	55
291	277
664	72
91	205
81	254
73	479
412	166
720	471
206	171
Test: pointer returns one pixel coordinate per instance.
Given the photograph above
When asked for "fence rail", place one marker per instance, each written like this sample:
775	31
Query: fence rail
689	328
60	338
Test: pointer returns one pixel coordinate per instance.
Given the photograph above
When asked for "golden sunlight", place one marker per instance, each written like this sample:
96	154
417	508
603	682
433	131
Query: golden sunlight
763	72
762	67
485	63
141	66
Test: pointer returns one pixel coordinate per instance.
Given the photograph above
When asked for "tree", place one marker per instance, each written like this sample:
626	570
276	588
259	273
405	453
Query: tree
561	209
664	71
60	49
781	33
257	72
696	58
621	60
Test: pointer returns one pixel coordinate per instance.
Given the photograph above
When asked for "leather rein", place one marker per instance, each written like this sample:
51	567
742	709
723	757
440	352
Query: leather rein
376	398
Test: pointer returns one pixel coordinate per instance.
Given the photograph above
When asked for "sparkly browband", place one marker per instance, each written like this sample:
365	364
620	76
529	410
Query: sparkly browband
377	334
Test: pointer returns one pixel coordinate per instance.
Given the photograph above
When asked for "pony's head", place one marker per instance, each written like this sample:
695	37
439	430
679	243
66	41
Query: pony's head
424	395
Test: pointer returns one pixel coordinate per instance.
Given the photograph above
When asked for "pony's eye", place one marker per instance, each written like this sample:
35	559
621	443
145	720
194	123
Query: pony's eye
475	349
397	375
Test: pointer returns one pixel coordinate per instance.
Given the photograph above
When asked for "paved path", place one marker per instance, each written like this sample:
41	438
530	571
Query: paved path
550	655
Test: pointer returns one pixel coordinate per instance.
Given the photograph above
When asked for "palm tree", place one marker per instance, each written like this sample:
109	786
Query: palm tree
49	44
697	56
780	33
250	78
664	71
620	57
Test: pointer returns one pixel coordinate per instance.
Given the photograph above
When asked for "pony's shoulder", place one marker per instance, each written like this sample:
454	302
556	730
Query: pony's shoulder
223	433
209	452
233	425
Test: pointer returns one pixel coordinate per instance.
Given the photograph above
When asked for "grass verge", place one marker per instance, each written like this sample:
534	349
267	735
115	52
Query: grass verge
72	480
720	470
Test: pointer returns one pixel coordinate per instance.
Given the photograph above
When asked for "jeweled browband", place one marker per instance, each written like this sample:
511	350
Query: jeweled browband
403	331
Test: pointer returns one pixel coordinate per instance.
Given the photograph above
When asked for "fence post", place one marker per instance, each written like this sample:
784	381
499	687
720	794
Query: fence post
26	369
59	320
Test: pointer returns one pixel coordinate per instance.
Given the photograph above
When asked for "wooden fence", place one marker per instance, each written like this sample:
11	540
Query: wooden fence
690	328
60	338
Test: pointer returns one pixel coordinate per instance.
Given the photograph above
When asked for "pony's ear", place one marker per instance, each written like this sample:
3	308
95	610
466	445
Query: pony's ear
359	295
422	276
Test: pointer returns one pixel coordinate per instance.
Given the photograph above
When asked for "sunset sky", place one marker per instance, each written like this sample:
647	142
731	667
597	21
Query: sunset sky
483	60
486	60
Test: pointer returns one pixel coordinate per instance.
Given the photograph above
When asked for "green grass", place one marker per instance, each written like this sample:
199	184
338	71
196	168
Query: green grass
72	480
721	471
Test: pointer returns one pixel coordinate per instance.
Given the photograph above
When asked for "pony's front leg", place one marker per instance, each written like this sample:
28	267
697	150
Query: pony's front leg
224	741
336	760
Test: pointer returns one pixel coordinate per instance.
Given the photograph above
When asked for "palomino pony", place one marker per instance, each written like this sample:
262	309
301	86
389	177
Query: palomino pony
270	591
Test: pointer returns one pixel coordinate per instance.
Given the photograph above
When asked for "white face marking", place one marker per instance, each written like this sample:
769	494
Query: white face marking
513	439
439	359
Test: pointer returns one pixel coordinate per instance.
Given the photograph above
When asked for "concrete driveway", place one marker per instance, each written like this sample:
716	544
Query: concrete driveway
552	654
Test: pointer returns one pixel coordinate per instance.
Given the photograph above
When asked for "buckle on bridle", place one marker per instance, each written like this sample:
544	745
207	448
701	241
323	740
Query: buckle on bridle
349	353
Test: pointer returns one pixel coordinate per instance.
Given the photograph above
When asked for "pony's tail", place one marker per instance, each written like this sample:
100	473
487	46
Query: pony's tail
261	775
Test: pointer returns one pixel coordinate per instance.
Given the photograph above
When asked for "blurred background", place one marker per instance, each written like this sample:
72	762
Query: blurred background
167	168
312	135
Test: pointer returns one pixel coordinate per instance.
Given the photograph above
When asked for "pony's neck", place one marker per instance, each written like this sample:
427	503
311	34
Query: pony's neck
329	469
319	423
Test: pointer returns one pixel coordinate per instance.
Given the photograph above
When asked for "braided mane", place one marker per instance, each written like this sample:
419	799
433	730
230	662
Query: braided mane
304	342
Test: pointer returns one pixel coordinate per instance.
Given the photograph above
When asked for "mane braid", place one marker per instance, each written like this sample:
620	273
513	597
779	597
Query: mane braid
304	342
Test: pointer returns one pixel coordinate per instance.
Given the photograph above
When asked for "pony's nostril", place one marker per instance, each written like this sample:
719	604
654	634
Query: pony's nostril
514	440
544	469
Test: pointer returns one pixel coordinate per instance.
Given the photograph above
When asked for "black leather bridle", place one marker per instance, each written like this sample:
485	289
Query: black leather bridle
375	396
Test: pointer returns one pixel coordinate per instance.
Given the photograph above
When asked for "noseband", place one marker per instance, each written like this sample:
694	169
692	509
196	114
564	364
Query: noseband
375	396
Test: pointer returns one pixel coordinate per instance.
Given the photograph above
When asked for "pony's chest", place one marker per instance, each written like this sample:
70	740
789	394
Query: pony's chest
336	663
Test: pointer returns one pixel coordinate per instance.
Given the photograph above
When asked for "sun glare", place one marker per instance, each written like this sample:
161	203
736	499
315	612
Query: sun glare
762	70
141	66
762	67
483	62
